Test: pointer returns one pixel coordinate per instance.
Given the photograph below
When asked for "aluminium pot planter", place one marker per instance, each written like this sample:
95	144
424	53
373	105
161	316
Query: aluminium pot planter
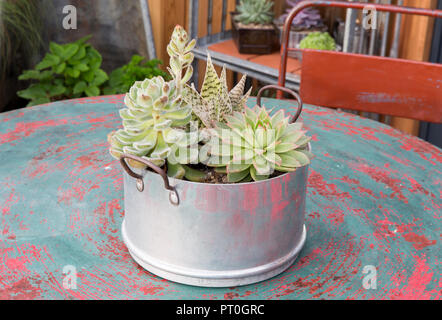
254	40
213	235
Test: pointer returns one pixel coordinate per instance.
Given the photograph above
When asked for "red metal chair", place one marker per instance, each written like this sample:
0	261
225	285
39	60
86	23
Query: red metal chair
387	86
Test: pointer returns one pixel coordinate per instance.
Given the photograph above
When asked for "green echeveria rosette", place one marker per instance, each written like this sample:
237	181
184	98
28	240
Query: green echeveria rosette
318	41
153	125
253	144
255	11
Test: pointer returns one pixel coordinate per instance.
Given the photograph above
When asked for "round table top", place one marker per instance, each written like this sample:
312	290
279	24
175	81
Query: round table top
373	212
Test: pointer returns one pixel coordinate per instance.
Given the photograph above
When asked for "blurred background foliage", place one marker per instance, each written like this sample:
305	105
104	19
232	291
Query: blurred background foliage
27	27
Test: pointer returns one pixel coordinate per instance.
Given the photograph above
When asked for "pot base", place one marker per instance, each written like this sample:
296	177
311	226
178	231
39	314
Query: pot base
208	278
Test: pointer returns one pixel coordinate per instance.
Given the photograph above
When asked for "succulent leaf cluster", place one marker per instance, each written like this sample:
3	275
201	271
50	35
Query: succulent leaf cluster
244	143
153	122
156	118
255	12
181	57
215	102
318	41
253	144
306	19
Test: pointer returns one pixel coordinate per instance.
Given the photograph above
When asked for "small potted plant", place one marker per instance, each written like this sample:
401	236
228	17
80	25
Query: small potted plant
253	29
214	191
317	41
307	21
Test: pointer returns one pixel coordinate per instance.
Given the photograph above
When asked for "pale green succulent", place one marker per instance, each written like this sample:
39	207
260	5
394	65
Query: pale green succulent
318	41
153	122
253	144
156	120
255	11
181	57
215	102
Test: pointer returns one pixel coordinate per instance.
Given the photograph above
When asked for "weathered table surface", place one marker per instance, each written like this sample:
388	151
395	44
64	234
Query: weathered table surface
374	199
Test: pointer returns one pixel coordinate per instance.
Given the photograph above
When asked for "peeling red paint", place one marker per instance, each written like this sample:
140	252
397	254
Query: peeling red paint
23	129
373	198
419	241
149	290
383	176
329	190
415	287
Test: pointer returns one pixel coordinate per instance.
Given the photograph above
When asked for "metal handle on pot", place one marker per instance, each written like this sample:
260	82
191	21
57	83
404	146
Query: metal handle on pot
291	92
173	195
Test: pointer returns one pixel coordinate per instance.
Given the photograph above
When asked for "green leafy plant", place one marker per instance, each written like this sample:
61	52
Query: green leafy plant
255	11
69	70
253	144
318	41
121	79
215	102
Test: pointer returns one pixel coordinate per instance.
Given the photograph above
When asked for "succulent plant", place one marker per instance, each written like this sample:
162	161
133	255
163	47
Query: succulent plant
215	102
156	120
181	57
253	144
306	19
318	41
244	143
255	11
153	122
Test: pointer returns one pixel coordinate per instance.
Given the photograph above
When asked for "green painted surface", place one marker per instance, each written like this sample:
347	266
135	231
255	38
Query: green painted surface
373	200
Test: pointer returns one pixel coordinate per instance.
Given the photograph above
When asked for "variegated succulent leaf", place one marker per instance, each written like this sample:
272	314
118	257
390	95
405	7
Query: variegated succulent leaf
200	106
214	102
237	98
253	144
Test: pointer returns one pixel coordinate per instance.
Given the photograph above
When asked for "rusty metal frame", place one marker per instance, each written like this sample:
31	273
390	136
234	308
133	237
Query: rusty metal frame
340	4
292	93
173	195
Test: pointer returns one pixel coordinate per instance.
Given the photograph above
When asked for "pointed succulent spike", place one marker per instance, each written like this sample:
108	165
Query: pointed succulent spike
199	106
237	92
214	92
223	105
214	103
211	84
240	106
223	76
